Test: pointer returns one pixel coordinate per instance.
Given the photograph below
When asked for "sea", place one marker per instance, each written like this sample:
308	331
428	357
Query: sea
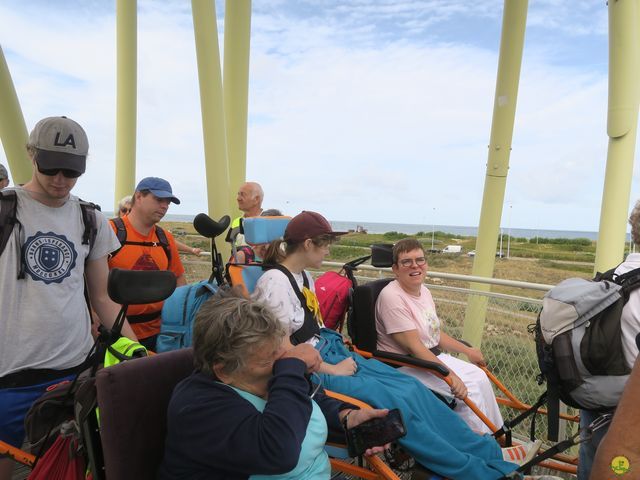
411	228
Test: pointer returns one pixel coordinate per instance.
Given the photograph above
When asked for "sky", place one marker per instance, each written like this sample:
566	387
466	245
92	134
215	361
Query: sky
363	110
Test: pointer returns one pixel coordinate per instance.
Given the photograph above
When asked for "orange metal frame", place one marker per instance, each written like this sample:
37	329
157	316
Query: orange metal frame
568	465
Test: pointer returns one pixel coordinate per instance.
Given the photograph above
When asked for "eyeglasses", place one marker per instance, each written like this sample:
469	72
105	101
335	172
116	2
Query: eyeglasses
125	210
318	342
407	262
315	382
51	172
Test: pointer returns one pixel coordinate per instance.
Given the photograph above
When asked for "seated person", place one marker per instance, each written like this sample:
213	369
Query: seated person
407	323
436	437
248	409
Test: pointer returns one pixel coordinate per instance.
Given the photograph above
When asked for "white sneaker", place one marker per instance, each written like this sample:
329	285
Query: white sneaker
521	454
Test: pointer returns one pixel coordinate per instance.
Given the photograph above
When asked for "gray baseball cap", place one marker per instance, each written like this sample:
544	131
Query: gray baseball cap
3	172
60	143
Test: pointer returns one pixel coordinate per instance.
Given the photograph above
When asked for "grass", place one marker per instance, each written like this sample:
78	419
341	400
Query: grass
549	261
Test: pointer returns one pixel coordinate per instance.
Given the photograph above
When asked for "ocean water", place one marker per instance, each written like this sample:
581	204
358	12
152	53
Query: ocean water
410	228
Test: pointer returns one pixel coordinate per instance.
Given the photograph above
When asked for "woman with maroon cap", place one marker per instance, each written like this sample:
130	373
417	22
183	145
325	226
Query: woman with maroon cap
436	436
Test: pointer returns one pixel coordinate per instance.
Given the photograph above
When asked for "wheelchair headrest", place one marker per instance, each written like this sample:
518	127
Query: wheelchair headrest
362	320
136	287
208	227
264	229
382	255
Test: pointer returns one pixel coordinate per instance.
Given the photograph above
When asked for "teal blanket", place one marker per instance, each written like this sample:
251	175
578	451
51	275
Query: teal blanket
436	436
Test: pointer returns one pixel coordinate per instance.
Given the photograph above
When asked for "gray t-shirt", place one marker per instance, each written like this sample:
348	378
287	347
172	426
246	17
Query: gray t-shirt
44	319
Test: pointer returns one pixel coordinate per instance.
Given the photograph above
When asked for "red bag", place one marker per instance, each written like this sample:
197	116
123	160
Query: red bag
332	290
63	461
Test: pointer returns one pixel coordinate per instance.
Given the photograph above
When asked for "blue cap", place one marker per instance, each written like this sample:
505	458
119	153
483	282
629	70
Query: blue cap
158	186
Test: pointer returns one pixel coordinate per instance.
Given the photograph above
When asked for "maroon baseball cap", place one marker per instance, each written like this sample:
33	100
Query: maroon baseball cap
308	225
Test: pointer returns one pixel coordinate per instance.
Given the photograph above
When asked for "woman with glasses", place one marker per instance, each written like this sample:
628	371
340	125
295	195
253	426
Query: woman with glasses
249	410
407	323
436	436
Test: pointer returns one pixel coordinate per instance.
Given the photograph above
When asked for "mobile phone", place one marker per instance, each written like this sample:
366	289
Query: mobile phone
375	432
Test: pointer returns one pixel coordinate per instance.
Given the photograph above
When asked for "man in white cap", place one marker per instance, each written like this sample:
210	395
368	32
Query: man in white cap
4	177
55	242
146	246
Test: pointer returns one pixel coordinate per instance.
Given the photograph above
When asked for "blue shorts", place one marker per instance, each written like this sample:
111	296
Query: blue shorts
14	405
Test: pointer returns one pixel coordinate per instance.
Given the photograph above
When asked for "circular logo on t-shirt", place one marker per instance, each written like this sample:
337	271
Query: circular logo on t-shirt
49	257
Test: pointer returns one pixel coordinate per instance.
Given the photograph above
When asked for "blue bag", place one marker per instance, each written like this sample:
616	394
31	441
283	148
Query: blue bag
178	314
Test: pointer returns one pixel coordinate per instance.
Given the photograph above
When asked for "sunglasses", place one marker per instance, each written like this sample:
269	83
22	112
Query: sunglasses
51	172
125	210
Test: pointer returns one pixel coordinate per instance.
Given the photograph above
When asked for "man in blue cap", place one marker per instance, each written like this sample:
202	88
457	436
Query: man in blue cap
146	246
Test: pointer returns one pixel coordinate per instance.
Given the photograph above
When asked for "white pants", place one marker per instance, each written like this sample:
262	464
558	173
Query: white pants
478	387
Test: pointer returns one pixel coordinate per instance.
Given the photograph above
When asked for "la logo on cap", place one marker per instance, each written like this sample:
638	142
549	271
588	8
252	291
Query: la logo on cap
69	141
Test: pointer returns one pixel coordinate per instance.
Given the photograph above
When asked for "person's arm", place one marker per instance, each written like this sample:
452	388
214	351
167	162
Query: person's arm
97	272
623	437
184	248
410	341
249	442
176	264
452	345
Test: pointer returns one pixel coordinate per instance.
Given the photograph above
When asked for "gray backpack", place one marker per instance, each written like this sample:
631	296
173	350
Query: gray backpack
579	342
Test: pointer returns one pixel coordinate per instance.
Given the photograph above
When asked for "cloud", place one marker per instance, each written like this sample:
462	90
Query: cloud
377	111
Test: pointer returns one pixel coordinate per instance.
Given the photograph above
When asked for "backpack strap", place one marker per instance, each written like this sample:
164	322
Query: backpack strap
310	326
88	210
121	233
8	216
164	242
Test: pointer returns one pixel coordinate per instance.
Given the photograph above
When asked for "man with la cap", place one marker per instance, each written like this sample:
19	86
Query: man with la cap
146	246
45	324
4	177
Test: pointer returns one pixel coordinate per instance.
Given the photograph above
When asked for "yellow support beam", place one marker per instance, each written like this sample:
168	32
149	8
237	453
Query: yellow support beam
235	86
622	123
211	104
504	108
13	130
126	97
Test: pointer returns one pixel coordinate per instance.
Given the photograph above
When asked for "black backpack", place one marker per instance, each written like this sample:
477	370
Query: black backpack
579	343
8	218
121	233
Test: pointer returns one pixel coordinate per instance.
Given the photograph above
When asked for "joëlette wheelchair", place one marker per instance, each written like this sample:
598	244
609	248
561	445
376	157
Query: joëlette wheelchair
362	331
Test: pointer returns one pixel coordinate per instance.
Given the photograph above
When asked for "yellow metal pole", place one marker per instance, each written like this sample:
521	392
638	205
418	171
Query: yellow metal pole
211	104
622	123
13	131
504	109
235	83
126	101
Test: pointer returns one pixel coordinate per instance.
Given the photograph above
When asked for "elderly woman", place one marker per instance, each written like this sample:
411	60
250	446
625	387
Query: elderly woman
248	409
436	436
407	323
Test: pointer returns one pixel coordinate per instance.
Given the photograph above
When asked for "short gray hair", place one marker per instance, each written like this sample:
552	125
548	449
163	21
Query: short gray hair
228	327
634	221
124	201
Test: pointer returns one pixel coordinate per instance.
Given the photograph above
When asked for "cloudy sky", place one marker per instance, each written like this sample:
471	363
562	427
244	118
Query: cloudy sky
364	110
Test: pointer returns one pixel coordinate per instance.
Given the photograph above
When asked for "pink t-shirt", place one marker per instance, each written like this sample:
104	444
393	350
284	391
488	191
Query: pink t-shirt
398	311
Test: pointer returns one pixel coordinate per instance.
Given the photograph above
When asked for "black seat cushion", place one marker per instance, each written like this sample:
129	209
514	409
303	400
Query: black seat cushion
362	320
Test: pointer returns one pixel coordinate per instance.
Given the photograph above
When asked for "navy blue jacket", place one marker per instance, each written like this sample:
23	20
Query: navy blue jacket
213	433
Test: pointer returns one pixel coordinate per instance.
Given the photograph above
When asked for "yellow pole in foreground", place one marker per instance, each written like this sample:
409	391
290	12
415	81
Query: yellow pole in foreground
126	101
504	109
622	124
13	131
235	86
211	104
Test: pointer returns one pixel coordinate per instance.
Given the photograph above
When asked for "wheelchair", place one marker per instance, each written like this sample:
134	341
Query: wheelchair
361	327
